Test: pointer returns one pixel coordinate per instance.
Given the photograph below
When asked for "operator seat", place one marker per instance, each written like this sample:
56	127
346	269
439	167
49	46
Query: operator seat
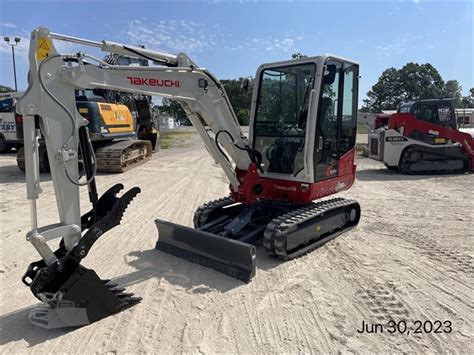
325	114
427	115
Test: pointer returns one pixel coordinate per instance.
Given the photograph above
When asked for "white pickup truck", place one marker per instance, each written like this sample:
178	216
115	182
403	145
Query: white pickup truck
11	134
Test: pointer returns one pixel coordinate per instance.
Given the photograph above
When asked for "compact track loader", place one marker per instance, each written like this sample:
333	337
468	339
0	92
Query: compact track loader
422	138
300	149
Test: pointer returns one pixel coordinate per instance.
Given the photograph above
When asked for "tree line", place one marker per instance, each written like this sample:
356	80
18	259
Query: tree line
240	100
412	82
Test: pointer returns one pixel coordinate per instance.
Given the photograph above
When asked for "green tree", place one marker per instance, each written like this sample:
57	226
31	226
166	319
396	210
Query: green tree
4	89
173	108
413	81
420	81
453	89
365	107
386	93
468	101
243	116
240	100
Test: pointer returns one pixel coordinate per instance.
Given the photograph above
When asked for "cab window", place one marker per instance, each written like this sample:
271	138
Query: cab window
7	105
281	115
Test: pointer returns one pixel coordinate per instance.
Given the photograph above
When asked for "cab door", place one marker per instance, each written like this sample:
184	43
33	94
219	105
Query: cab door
336	123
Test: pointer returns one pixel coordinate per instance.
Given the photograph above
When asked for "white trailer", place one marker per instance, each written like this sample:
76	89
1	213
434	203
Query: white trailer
10	135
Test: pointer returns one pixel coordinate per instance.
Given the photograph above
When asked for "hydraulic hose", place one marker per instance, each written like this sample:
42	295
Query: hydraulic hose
73	123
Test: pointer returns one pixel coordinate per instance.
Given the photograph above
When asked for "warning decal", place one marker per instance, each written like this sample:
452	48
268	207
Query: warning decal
44	47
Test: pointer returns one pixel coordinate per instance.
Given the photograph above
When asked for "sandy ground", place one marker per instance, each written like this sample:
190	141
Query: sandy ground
409	259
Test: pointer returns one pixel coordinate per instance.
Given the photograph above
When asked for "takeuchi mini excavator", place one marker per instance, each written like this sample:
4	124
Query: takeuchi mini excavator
422	138
300	149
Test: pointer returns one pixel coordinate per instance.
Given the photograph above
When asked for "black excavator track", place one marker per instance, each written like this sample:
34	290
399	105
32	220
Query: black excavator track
204	212
421	160
43	159
300	231
225	229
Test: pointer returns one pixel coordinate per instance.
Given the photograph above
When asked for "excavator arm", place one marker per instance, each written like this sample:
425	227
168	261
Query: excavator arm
49	105
50	101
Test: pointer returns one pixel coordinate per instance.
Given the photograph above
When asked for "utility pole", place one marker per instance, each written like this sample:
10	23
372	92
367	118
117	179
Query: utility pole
13	45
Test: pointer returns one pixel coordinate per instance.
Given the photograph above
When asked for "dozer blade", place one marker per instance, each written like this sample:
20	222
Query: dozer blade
231	257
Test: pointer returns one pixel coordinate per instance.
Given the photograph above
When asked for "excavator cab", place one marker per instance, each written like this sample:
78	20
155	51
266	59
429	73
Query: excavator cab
304	117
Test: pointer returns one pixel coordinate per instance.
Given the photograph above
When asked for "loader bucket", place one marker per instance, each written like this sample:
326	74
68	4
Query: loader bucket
231	257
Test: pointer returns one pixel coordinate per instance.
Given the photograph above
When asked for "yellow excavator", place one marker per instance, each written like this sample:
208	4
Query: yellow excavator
113	132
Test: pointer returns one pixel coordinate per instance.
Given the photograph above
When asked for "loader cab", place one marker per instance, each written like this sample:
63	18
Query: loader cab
107	121
437	111
304	117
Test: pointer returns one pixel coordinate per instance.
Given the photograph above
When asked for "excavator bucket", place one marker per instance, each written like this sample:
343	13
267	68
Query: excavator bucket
231	257
73	295
83	299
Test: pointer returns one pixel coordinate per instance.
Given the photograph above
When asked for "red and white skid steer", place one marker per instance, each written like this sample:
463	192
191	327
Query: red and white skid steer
422	138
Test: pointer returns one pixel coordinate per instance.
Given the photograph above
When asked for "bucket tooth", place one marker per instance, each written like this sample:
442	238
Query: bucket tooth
116	289
82	300
74	295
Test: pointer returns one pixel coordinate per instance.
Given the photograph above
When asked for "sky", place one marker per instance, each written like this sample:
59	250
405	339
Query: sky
232	39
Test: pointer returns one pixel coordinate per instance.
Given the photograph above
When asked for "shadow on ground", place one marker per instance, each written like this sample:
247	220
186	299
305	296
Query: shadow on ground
390	175
15	326
192	277
148	264
10	174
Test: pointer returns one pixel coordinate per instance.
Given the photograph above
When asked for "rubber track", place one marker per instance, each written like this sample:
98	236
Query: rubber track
405	163
43	159
276	233
202	212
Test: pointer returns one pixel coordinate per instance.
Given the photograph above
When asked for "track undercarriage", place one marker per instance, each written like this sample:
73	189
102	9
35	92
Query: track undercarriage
224	229
112	157
419	160
121	156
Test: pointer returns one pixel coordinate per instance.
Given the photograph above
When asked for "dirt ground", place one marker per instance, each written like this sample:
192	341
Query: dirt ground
409	259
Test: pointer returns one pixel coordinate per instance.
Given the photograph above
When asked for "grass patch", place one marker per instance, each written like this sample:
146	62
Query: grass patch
362	149
173	139
362	128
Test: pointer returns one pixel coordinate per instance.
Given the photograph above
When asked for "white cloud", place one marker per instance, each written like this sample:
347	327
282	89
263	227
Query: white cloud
23	47
172	35
7	24
405	44
192	37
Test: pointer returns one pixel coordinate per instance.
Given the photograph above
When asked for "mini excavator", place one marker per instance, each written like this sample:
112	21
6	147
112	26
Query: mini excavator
300	149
